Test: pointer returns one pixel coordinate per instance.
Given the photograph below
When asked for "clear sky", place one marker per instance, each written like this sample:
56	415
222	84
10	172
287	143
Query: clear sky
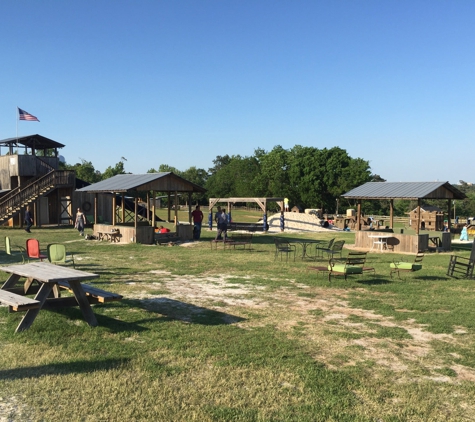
180	82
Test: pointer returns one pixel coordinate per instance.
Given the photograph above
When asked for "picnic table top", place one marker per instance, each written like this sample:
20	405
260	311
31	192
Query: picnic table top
48	273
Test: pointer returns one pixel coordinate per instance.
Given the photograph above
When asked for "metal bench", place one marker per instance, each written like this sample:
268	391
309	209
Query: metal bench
233	240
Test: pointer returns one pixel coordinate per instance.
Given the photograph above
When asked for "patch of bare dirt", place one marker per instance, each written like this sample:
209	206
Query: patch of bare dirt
331	327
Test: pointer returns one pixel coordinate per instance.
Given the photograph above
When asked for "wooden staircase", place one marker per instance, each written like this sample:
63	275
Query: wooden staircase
17	199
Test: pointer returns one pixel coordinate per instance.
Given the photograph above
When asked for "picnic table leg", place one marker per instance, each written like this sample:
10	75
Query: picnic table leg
31	314
11	281
84	305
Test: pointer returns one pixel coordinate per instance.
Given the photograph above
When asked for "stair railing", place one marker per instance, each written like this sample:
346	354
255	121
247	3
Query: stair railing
18	198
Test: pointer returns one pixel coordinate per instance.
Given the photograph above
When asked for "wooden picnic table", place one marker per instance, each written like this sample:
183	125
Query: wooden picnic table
51	278
112	235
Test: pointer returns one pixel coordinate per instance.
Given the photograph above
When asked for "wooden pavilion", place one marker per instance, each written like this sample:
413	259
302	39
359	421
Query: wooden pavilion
390	191
135	185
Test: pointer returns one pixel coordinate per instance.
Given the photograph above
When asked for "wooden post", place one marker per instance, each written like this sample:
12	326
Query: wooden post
96	206
153	207
114	204
58	206
147	207
136	208
418	216
189	207
358	215
123	208
391	213
449	209
36	214
169	207
176	207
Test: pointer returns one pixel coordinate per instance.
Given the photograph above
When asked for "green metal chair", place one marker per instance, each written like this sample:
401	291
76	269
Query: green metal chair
404	266
283	246
57	254
335	249
8	250
323	246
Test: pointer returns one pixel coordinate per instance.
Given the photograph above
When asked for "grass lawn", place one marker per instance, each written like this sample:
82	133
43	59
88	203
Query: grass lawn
213	335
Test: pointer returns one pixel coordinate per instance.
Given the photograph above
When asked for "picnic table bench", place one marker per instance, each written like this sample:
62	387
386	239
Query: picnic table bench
112	236
93	294
17	302
233	240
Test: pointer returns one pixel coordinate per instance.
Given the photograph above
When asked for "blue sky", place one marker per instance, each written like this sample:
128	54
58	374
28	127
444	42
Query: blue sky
180	82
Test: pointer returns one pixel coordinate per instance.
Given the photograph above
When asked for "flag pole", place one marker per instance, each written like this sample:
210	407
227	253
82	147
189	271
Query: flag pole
17	124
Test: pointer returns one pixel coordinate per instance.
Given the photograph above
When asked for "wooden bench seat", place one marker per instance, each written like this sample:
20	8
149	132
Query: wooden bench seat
18	302
97	295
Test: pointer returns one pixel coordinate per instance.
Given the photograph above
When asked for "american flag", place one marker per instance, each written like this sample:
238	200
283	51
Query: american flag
26	116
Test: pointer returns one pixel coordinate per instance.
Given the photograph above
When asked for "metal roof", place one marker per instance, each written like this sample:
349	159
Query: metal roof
405	190
31	141
161	182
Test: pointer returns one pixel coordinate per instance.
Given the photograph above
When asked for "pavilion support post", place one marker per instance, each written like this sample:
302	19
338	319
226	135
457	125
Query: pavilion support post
169	207
122	217
154	206
391	213
449	211
114	204
147	207
358	215
418	216
96	205
176	207
189	207
136	210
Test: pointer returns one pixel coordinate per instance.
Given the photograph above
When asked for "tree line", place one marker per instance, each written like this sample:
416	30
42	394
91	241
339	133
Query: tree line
309	177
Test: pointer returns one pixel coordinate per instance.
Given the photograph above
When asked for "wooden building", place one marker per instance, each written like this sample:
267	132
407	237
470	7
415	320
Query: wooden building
431	218
30	175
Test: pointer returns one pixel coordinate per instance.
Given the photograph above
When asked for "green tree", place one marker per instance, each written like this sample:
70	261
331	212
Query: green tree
272	180
233	179
85	171
198	177
319	177
119	168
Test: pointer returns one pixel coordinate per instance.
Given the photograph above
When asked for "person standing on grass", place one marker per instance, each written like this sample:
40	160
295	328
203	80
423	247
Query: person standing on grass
222	226
464	233
80	222
28	220
197	221
216	219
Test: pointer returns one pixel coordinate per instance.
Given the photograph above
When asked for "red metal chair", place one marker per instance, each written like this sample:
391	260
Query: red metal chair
33	249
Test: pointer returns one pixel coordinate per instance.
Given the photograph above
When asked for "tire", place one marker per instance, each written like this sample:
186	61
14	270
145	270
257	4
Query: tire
86	206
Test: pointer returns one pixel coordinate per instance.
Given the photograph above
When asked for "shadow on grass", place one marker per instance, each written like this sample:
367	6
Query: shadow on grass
176	310
113	324
374	281
74	367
